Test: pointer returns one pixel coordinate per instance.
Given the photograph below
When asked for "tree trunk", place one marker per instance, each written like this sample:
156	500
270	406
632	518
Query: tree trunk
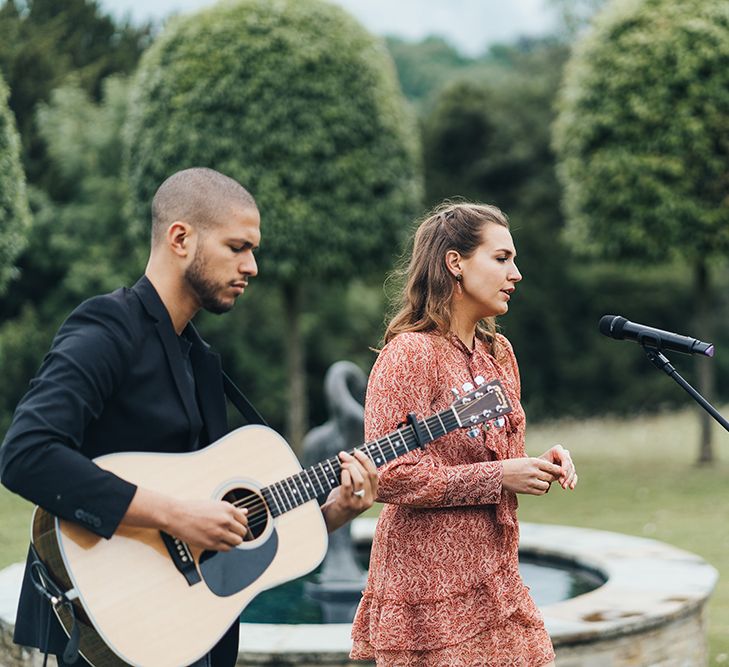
706	374
298	409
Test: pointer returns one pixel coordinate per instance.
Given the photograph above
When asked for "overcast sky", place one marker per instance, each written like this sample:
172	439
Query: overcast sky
471	25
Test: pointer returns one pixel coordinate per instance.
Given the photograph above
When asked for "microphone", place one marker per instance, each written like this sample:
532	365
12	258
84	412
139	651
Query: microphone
622	329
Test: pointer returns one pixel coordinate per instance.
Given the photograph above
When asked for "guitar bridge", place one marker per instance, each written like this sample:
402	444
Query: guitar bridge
182	558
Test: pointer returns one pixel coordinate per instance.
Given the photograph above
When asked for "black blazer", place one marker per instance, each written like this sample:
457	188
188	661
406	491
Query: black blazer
114	380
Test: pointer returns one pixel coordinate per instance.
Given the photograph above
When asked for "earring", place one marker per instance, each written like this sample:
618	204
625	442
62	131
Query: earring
459	281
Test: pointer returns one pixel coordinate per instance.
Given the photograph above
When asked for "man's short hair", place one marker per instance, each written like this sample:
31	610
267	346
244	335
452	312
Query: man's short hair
199	196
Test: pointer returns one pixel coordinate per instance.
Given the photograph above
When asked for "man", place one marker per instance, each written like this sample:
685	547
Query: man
127	371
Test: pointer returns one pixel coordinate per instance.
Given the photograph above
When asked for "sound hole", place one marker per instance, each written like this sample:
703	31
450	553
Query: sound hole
256	506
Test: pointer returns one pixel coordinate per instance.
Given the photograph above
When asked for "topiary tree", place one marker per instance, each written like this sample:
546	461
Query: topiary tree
301	105
643	144
14	213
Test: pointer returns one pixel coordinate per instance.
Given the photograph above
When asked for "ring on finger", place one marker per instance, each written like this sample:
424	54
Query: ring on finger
359	494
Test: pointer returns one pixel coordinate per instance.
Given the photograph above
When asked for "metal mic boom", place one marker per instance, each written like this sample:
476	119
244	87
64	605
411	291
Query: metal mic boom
619	328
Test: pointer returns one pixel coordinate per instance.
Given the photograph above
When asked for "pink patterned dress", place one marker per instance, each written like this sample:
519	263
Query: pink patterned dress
444	588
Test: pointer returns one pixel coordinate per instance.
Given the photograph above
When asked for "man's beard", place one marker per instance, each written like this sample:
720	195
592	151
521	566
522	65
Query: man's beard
205	289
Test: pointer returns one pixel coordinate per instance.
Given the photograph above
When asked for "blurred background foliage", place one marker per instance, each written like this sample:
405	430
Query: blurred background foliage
42	42
482	126
14	214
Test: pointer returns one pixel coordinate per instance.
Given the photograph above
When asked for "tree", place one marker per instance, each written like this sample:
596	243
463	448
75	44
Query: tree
297	102
42	42
489	138
425	66
87	230
575	15
14	213
643	146
80	246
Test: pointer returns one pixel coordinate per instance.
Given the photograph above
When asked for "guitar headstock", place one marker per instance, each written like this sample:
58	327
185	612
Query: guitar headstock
486	402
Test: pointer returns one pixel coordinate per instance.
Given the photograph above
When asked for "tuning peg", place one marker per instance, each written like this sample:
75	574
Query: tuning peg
479	380
467	386
499	422
473	432
455	393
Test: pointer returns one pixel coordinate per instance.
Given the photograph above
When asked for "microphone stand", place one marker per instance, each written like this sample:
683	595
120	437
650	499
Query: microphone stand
661	362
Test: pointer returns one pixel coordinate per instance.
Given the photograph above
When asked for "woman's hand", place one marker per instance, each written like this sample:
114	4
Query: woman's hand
357	492
561	456
529	475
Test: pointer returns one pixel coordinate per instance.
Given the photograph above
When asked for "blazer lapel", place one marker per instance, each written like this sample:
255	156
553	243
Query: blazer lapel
171	345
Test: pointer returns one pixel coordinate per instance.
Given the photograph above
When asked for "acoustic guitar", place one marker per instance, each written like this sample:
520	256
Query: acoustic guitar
146	598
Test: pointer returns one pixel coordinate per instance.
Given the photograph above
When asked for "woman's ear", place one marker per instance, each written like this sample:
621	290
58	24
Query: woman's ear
453	262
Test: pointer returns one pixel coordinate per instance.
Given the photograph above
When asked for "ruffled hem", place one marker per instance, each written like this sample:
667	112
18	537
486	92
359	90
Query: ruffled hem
509	645
388	624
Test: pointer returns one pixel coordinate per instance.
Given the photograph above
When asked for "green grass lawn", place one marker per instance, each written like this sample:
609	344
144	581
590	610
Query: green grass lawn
636	476
14	527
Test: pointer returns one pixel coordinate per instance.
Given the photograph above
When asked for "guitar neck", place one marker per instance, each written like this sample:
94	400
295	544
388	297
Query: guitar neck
322	477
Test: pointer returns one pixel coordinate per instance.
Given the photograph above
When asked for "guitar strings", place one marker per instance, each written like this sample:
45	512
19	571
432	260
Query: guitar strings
257	506
256	500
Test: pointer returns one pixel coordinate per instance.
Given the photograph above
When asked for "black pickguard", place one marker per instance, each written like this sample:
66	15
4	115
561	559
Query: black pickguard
228	572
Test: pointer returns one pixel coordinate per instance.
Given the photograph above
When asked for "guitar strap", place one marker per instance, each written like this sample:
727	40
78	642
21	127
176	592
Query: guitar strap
56	598
241	403
235	395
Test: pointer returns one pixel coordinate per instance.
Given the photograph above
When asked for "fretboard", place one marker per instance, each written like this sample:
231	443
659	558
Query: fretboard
321	478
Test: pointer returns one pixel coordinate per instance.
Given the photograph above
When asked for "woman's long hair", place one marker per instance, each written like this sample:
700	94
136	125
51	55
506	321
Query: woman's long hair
425	302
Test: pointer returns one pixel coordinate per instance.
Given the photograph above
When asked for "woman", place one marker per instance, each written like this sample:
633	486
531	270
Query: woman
444	586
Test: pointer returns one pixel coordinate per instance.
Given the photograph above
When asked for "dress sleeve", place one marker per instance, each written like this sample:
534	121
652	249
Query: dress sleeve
405	379
41	457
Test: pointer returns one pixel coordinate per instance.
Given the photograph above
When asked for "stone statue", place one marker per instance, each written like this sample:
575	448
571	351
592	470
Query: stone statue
341	578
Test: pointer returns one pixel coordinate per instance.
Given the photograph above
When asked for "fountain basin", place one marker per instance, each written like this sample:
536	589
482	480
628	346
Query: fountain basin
650	611
322	597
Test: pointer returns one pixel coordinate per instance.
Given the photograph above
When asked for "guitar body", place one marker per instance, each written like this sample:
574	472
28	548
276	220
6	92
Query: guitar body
134	606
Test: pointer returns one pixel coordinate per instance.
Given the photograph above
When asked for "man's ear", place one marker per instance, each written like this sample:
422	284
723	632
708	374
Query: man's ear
178	237
453	262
